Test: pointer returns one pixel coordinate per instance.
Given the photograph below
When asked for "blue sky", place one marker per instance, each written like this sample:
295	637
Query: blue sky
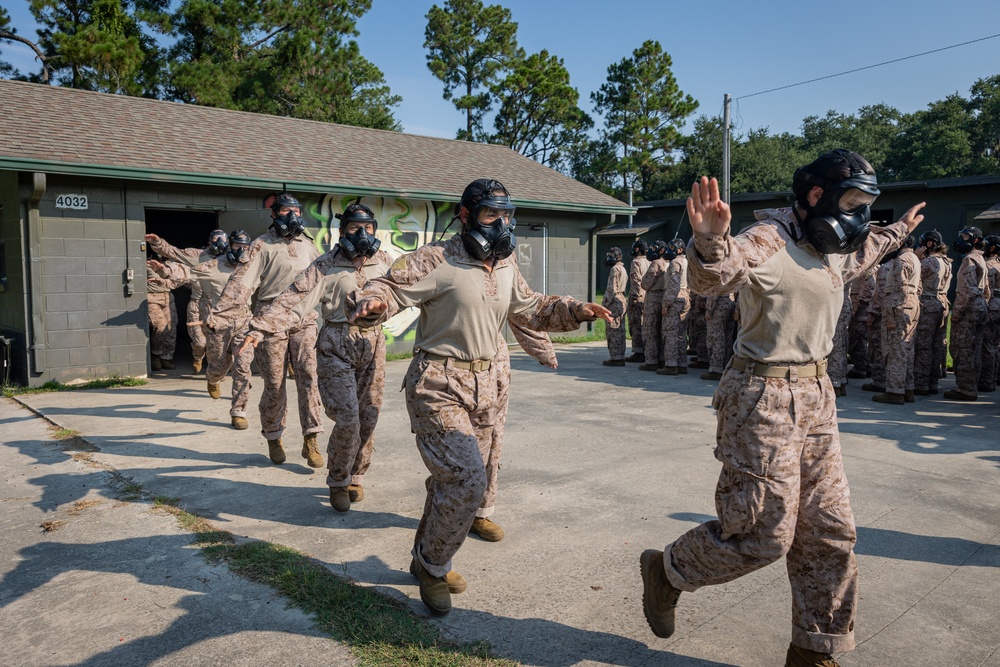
719	47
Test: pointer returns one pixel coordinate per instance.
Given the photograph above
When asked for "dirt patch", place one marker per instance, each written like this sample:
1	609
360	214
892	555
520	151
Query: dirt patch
52	526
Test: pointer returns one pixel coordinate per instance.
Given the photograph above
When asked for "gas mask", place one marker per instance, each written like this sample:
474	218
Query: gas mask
653	253
217	243
289	225
968	239
613	257
931	240
839	222
239	241
489	231
359	242
639	248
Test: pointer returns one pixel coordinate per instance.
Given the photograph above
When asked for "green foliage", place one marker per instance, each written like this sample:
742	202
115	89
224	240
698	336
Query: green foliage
281	58
6	32
644	110
538	113
102	45
468	46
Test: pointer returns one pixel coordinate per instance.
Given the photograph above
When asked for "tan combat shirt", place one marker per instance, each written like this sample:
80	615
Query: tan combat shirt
790	296
273	263
636	271
463	305
326	282
617	280
972	289
655	278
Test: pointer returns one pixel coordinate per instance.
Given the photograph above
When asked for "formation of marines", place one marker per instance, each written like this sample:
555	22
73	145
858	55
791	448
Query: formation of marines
892	329
757	310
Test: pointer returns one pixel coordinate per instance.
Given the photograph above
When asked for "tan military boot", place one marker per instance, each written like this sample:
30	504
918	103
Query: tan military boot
340	498
434	592
711	375
909	396
275	451
959	395
486	529
310	452
167	364
240	423
154	362
196	365
659	597
456	582
667	370
357	493
803	657
889	397
214	390
613	362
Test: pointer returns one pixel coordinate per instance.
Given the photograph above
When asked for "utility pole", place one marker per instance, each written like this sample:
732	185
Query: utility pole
630	206
726	135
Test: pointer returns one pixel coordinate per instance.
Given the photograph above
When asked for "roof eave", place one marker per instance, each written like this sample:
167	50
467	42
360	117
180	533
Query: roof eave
250	182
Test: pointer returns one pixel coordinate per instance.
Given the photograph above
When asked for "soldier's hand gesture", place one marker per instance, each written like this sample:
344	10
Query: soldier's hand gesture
706	210
594	311
913	217
366	308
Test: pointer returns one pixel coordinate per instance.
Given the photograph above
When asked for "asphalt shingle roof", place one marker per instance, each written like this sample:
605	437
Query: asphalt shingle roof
73	127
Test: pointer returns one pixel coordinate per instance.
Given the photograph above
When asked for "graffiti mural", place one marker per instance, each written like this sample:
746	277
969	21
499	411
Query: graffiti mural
403	226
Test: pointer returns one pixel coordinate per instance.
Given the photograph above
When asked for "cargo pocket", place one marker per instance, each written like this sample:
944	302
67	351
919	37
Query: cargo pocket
739	500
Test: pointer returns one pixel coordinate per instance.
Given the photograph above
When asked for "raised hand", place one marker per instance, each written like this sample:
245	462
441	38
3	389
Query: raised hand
913	217
706	210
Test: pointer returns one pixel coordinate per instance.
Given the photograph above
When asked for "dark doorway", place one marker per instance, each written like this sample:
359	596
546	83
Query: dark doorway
182	229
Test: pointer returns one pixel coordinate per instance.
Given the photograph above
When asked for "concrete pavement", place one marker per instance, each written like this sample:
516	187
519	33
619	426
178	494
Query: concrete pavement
599	464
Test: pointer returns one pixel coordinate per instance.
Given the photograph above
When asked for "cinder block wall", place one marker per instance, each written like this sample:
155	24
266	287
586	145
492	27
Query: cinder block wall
12	324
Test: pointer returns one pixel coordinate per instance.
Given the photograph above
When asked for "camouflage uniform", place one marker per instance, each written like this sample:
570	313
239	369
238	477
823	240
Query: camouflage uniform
991	335
862	291
698	328
350	359
876	358
930	347
200	263
968	321
614	300
272	265
451	385
636	302
782	488
653	283
720	330
538	345
837	368
900	312
675	309
163	308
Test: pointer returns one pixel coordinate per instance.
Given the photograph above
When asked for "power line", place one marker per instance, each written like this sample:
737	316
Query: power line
860	69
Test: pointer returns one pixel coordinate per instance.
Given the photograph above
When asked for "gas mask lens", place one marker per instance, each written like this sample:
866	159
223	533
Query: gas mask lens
489	216
852	200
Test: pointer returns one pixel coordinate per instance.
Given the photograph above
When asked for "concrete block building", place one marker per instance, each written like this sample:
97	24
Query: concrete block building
84	175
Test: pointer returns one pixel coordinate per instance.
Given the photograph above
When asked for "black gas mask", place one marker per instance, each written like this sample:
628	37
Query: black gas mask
839	222
968	239
653	253
639	248
359	242
991	246
290	223
489	231
931	240
239	241
217	243
613	257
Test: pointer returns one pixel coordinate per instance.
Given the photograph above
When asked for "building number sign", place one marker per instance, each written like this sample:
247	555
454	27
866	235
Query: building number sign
75	202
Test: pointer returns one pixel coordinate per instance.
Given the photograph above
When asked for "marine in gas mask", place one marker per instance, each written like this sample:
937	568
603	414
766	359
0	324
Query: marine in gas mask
272	263
614	300
930	345
969	318
777	415
636	299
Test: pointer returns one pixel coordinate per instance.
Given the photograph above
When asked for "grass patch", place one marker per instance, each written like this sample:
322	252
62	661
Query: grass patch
16	390
596	334
64	433
380	631
398	356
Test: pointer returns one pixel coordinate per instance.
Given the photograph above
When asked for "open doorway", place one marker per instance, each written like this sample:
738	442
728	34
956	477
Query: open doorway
182	229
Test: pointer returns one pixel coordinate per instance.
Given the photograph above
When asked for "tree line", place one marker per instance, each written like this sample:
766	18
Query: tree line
299	59
296	59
